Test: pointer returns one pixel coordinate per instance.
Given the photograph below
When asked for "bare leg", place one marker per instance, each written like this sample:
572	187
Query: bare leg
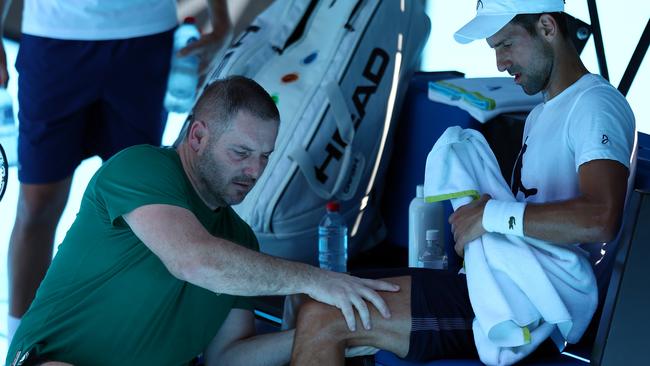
322	334
30	247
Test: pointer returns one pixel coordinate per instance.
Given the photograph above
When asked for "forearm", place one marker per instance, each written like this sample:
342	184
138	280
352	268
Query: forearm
192	254
572	221
4	9
224	267
265	349
219	15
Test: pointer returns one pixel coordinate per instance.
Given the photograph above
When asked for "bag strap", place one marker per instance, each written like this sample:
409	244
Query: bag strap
295	16
342	114
346	131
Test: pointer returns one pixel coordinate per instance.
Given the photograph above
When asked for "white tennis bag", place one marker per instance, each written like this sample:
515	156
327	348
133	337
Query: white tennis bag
338	71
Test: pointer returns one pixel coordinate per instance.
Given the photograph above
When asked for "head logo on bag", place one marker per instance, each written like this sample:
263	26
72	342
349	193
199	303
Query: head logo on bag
373	72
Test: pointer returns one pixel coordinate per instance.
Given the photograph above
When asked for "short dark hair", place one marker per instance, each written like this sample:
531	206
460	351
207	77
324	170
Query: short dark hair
222	99
528	21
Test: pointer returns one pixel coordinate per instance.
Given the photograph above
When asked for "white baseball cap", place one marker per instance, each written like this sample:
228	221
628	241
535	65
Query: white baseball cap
492	15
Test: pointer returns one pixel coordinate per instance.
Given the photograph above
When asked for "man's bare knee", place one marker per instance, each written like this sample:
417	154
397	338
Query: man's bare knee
321	318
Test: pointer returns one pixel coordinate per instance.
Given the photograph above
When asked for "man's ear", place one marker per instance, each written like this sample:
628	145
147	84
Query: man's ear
547	27
198	136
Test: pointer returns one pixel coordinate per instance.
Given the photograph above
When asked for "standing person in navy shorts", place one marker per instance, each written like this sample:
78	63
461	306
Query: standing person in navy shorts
93	75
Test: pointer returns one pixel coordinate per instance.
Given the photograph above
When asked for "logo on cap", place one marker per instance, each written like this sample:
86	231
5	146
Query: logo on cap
479	2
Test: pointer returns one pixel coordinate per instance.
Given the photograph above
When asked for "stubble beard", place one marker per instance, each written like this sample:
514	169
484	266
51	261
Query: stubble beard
540	71
213	182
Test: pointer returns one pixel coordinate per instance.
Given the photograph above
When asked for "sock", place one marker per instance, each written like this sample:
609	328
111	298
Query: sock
12	325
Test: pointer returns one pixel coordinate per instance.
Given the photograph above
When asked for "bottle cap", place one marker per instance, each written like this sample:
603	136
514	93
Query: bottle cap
419	191
189	20
432	234
332	206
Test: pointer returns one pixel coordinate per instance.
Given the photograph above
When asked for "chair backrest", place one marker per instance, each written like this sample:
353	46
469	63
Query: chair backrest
623	337
604	256
624	319
579	32
608	251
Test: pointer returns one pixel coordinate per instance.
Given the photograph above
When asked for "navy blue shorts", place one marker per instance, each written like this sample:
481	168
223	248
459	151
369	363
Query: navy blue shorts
441	313
78	99
441	317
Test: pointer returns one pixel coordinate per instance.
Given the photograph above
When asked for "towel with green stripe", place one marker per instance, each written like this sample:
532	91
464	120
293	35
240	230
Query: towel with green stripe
522	290
483	98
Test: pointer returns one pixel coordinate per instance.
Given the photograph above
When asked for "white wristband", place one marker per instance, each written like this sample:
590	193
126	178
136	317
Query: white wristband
504	217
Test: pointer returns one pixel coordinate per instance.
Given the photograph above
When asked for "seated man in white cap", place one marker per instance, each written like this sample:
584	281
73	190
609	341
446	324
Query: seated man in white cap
570	182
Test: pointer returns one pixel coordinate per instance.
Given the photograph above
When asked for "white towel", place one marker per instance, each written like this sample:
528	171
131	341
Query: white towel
483	98
522	290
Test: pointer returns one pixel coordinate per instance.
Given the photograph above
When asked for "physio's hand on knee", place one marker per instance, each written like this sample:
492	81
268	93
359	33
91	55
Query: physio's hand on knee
348	292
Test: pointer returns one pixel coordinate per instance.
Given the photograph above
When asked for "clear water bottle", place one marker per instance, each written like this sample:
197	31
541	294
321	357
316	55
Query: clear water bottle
422	217
333	240
184	73
8	128
433	255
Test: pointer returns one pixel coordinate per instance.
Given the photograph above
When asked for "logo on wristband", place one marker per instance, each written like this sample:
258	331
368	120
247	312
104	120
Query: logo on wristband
511	223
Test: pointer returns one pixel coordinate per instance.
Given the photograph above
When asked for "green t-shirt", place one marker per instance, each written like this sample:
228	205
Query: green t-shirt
107	299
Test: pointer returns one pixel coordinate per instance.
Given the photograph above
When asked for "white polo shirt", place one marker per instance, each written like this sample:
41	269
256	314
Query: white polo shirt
589	120
97	19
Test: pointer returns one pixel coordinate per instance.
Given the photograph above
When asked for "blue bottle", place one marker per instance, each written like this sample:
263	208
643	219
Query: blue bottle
184	73
333	240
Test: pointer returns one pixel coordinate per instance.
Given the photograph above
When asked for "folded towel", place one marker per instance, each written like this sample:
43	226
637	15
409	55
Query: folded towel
483	98
522	290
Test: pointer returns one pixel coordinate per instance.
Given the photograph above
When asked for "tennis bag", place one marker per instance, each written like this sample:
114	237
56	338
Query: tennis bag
338	71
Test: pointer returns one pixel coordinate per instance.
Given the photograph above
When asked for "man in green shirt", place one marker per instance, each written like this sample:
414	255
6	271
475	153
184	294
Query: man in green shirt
152	270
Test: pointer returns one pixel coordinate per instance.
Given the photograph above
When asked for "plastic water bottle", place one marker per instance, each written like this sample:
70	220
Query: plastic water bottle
422	217
333	240
433	255
184	73
8	128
